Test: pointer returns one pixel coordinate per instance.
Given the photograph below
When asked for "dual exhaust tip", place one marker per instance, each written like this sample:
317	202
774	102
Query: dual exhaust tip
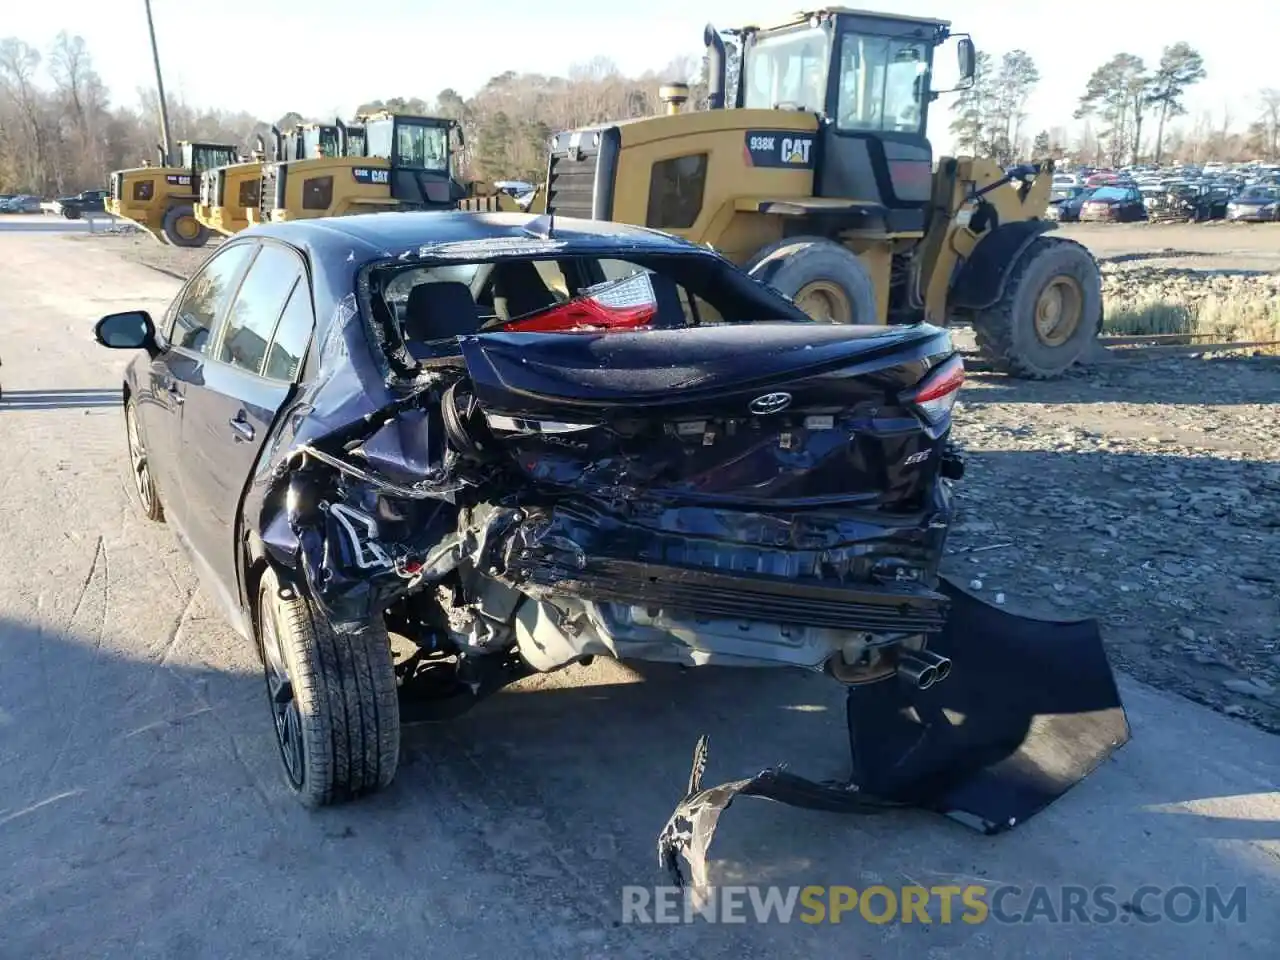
923	669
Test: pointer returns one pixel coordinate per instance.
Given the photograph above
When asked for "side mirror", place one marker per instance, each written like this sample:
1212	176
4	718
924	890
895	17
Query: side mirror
967	57
131	330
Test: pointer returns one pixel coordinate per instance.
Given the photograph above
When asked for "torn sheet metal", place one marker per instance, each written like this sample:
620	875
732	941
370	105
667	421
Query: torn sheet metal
1030	709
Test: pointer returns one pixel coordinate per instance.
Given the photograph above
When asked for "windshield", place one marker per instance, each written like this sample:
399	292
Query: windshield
318	141
1257	193
1110	193
421	146
355	141
883	83
377	138
788	69
206	158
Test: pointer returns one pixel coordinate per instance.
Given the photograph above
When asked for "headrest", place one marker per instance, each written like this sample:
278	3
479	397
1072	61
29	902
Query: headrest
436	311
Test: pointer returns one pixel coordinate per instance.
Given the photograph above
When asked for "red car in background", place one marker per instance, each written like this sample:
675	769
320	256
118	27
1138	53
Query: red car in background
1102	178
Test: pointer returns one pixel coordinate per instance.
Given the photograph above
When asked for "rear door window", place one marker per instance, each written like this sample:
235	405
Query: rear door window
251	321
206	298
292	335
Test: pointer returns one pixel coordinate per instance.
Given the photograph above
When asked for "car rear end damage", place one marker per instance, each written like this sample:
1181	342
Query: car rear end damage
583	482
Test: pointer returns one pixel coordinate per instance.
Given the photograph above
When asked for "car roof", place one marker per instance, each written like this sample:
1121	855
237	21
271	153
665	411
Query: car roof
373	236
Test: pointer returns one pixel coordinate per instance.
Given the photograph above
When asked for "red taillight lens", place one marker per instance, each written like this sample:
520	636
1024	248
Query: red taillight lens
937	394
623	304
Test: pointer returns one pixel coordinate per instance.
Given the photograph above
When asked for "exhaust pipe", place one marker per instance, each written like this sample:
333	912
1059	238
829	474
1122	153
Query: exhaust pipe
674	96
715	67
277	144
916	672
342	136
941	665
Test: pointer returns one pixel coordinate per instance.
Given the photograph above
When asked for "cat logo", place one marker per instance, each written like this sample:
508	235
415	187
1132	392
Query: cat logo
796	150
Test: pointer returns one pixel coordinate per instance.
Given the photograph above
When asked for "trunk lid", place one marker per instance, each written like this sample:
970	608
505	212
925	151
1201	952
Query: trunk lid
785	414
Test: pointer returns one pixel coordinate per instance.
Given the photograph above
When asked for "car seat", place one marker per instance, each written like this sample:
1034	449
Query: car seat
436	312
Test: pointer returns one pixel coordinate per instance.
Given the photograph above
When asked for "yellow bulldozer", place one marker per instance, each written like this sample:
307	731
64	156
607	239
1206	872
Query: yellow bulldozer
161	199
819	179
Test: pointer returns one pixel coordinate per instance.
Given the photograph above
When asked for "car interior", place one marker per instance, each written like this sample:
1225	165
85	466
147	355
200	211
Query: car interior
433	305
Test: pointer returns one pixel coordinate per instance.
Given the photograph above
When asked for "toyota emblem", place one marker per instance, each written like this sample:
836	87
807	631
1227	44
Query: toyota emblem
770	403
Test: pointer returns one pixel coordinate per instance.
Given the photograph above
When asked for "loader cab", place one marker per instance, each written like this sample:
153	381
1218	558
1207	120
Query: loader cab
199	157
868	78
353	139
420	154
317	140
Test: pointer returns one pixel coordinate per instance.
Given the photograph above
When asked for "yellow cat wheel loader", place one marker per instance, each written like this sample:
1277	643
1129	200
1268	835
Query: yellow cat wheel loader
408	163
162	199
383	162
820	180
228	193
230	196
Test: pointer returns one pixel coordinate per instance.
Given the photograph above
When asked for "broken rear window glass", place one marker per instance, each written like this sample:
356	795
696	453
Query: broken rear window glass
429	306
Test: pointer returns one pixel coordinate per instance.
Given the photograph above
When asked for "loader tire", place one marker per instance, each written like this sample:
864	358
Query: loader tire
182	229
1049	315
826	281
332	698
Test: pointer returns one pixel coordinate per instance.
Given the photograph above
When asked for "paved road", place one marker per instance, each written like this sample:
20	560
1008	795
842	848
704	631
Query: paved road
47	223
141	814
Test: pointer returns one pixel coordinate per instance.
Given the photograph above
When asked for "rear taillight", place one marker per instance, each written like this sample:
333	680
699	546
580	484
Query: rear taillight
937	393
621	304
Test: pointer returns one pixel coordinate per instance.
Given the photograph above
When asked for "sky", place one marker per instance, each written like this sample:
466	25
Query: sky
332	55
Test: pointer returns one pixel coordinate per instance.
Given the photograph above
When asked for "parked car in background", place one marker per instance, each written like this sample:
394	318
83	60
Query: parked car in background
1255	204
75	207
1066	209
1114	204
1180	201
22	203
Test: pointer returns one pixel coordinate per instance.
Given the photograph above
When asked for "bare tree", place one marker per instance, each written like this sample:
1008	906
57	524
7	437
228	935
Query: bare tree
1270	122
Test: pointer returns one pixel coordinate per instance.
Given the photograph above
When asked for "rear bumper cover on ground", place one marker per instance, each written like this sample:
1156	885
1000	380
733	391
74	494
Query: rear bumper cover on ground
1030	709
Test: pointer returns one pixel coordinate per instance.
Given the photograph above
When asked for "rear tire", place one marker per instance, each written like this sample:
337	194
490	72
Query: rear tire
182	229
825	280
1019	335
332	698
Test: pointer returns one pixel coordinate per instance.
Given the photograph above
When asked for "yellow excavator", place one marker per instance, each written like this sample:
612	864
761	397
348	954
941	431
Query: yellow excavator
820	180
161	199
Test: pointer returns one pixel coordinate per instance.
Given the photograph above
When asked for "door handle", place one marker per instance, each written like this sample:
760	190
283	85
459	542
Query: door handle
243	429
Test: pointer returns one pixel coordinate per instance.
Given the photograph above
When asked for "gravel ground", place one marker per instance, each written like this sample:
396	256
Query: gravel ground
1140	492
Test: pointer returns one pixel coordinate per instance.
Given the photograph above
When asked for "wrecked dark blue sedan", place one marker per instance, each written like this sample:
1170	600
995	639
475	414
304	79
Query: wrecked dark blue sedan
417	456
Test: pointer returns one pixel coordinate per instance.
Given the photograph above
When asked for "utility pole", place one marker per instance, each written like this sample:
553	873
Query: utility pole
166	144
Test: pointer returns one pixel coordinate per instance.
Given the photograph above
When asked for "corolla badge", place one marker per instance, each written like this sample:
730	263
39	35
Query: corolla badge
770	403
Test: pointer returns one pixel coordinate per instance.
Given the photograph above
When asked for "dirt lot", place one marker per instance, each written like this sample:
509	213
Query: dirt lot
1141	492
